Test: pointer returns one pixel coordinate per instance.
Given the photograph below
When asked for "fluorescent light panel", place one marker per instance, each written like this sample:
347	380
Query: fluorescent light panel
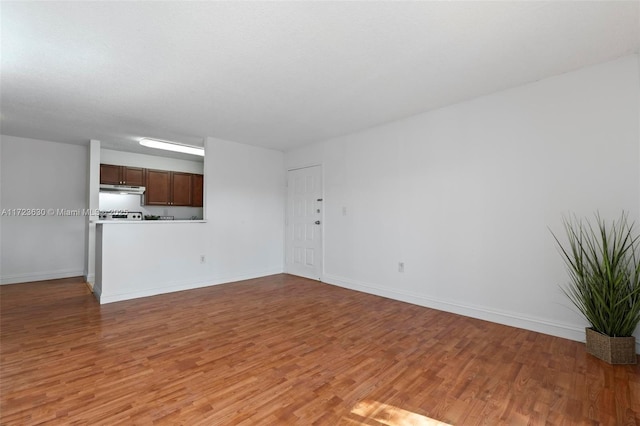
172	146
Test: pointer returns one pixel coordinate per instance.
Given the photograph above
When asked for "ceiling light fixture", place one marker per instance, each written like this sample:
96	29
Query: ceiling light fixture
172	146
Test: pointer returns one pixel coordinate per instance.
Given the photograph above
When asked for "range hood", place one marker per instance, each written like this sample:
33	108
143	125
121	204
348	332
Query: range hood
122	189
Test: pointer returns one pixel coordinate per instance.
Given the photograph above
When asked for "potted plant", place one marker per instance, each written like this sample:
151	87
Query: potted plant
604	270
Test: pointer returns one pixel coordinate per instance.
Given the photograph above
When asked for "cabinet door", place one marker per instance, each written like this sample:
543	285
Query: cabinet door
181	189
133	176
197	185
110	174
158	190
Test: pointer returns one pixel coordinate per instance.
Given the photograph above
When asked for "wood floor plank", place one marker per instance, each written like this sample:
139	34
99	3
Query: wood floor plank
290	351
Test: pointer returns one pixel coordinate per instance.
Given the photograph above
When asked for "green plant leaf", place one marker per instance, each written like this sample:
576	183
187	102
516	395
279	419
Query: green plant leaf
603	263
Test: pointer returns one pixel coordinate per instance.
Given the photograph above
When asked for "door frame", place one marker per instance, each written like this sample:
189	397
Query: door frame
322	216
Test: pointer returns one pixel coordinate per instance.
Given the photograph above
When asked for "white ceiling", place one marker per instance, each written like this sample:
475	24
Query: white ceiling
279	74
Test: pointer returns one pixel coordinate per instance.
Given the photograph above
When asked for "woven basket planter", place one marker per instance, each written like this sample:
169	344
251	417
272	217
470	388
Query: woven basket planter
614	350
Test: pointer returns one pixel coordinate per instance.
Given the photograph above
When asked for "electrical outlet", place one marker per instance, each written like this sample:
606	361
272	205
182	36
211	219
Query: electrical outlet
400	266
202	258
344	211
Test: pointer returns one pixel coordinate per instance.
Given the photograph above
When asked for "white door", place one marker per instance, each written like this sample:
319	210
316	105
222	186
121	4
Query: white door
304	226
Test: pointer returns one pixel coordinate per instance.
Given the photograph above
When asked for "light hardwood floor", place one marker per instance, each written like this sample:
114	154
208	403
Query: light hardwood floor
284	350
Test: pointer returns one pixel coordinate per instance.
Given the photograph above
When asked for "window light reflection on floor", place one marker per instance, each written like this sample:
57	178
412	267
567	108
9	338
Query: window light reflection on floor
389	415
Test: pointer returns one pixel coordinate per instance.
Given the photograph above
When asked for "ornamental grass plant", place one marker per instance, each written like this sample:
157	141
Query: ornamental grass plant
604	271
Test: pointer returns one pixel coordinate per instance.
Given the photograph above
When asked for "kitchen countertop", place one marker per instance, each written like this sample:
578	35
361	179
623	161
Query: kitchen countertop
102	222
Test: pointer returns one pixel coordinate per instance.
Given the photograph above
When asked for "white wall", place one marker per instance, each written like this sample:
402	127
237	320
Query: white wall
244	203
93	197
242	238
464	195
134	159
39	174
167	258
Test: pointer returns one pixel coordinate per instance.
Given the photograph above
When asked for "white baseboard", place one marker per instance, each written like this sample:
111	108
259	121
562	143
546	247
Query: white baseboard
224	279
90	279
179	286
167	288
97	291
40	276
567	331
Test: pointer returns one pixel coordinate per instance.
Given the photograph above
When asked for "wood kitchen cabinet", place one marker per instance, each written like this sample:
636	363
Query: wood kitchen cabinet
197	183
158	189
166	188
121	175
181	189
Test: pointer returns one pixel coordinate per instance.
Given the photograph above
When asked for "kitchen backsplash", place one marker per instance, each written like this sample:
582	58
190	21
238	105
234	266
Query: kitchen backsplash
132	203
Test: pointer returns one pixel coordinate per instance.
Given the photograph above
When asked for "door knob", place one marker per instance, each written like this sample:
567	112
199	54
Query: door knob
317	222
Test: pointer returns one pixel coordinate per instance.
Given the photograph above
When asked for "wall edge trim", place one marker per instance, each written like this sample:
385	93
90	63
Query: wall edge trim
41	276
181	286
566	331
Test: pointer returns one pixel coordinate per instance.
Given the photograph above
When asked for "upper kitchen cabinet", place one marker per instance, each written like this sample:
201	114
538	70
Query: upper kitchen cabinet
121	175
166	188
197	183
181	189
133	176
158	190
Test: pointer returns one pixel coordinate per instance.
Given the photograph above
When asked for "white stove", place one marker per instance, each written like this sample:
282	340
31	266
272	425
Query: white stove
119	215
